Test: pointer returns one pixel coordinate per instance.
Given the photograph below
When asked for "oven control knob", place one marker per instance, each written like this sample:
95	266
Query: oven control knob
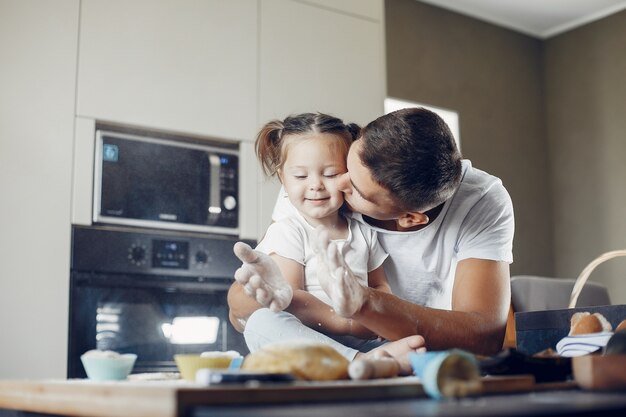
230	202
137	254
202	257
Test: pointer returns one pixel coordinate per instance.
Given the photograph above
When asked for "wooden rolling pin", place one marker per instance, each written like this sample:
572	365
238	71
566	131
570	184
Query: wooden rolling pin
372	368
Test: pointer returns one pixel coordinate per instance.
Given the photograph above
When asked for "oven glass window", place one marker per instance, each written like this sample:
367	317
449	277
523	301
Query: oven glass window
155	322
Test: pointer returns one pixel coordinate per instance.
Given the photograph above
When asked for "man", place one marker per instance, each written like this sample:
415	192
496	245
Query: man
447	227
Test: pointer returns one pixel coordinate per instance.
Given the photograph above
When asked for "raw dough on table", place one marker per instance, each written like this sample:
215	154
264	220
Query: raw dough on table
303	359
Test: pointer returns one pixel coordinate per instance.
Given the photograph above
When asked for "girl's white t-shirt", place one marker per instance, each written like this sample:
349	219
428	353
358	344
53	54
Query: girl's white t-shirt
476	222
290	237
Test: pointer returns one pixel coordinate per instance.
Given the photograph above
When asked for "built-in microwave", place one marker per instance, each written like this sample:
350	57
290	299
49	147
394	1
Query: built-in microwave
156	181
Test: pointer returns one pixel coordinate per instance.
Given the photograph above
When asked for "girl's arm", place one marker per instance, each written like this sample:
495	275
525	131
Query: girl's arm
241	306
378	280
318	315
311	311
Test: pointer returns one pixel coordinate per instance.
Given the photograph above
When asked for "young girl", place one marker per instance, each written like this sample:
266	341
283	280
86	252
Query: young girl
308	152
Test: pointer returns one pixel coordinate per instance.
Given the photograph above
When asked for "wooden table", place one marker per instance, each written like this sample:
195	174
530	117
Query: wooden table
542	403
398	396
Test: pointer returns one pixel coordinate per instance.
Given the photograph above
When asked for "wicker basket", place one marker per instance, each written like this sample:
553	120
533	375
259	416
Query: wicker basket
538	330
584	275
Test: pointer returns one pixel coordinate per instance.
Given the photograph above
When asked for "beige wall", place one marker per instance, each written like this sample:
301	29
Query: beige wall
546	116
493	78
586	114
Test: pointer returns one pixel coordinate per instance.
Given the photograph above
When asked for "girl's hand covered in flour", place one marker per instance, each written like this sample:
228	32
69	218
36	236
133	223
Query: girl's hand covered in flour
335	277
261	278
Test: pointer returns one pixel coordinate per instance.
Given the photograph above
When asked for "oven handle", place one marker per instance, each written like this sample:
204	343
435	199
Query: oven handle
215	191
196	285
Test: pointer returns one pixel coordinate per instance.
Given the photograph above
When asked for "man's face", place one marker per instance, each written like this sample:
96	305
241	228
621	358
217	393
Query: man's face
362	193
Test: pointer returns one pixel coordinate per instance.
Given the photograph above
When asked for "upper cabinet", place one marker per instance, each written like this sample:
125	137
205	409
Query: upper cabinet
321	56
222	68
325	56
187	66
369	9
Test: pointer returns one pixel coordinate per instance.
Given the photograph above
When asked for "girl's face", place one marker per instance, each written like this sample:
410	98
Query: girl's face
309	174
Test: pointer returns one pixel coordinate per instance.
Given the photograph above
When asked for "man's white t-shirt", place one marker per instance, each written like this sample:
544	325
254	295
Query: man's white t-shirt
477	222
290	237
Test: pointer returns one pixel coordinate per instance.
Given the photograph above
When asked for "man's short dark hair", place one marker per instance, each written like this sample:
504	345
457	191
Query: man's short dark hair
412	153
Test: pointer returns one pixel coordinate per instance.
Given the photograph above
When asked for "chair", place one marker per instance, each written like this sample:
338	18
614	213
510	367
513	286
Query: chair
533	293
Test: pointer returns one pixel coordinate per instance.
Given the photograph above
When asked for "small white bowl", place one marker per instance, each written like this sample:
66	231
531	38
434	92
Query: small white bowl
108	368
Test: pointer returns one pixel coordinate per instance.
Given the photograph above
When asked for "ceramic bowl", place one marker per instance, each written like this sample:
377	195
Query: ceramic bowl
188	364
102	368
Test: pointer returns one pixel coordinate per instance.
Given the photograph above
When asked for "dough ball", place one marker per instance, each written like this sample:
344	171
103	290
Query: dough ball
585	323
95	353
304	360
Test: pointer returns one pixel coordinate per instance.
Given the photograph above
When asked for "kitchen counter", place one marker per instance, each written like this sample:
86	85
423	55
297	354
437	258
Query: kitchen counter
173	398
397	396
88	398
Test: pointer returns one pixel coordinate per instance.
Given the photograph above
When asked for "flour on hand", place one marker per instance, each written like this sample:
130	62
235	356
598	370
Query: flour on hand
261	278
335	277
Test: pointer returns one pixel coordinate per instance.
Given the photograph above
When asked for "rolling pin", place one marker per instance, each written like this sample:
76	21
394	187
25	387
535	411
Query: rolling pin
445	374
372	368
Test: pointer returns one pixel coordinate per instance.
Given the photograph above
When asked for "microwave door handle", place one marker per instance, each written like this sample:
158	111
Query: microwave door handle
215	192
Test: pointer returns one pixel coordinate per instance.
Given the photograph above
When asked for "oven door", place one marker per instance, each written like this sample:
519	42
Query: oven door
153	317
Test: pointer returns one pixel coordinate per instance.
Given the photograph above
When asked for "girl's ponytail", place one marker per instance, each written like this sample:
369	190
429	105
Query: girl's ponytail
268	146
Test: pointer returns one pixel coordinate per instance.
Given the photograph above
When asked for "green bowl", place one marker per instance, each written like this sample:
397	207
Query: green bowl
108	368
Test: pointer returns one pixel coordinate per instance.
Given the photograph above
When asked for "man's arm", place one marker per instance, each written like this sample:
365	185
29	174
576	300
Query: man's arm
319	316
258	283
303	304
240	305
261	282
309	309
480	300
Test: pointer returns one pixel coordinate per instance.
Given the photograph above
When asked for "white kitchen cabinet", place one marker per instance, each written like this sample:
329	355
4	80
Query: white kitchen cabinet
368	9
38	46
316	58
184	66
83	175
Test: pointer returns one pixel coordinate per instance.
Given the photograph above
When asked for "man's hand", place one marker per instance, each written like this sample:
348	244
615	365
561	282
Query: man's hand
261	278
335	277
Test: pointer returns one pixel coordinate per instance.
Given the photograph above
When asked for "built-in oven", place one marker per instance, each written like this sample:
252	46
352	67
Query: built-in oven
155	293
